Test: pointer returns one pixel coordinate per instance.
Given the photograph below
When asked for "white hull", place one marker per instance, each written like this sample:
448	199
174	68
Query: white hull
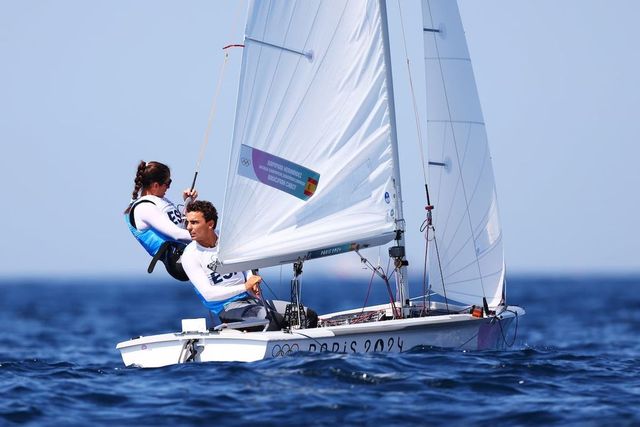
460	331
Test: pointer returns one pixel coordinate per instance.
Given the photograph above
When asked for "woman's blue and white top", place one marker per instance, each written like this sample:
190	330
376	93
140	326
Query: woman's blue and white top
154	220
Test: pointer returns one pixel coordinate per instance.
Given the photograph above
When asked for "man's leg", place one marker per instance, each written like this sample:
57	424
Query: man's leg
238	311
281	306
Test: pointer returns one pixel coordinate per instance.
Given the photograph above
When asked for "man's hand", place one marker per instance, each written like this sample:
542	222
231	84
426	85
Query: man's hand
253	284
188	193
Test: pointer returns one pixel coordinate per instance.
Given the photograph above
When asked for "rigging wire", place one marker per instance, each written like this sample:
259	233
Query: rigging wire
366	299
428	221
213	109
413	98
444	289
380	272
455	144
268	287
212	114
424	275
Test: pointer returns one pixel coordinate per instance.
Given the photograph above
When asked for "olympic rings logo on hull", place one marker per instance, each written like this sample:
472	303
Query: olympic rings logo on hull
285	349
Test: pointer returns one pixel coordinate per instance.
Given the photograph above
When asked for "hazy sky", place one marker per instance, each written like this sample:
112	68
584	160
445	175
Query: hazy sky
87	89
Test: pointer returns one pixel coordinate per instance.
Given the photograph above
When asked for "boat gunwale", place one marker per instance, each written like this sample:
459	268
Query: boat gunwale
391	325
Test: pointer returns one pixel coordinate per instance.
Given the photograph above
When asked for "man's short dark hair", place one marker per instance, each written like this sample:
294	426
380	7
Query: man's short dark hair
206	208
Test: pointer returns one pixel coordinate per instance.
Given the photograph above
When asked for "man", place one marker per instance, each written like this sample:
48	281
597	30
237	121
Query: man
231	296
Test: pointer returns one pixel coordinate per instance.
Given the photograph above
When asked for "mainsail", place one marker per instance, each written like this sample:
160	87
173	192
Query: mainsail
311	168
470	264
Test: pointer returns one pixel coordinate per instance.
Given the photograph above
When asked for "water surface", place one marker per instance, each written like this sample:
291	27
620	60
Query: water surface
574	361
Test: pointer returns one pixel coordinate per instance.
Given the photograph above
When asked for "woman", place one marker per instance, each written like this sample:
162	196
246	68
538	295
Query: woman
154	220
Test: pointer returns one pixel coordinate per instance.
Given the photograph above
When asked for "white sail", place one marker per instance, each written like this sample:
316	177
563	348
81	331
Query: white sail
466	221
311	164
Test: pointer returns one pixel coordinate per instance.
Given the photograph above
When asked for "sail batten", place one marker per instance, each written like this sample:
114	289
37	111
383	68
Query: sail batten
308	54
311	170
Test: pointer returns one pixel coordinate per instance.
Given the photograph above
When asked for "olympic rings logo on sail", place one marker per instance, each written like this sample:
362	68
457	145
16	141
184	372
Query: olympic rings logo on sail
245	161
285	349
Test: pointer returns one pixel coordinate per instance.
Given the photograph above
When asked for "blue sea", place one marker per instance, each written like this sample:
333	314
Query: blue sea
575	361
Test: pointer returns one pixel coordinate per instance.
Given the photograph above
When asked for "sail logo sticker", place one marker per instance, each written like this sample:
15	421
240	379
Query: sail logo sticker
311	186
277	172
335	250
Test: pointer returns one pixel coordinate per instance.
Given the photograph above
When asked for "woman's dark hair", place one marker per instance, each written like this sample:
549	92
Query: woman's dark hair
206	208
147	174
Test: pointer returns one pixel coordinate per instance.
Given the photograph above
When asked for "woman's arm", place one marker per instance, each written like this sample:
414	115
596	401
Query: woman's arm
147	215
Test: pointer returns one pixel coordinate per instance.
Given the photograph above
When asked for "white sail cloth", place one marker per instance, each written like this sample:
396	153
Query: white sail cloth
467	225
311	164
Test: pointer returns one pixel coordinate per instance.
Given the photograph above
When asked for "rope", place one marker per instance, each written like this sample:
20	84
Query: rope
306	336
413	98
366	299
424	274
212	114
268	287
268	311
467	341
455	145
444	289
212	111
396	314
193	351
515	332
383	276
427	225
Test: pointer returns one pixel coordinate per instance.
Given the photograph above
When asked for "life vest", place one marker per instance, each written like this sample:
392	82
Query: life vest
159	246
150	239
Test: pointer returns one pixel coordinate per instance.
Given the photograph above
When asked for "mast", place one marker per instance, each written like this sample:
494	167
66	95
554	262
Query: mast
397	252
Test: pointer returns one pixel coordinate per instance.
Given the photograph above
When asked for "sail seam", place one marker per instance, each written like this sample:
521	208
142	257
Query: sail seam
319	66
478	257
277	65
457	282
484	220
452	58
459	184
467	122
497	240
456	149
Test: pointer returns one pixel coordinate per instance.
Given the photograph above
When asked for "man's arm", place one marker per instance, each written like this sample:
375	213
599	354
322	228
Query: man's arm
200	280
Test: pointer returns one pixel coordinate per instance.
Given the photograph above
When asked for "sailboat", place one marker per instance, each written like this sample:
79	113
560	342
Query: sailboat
314	172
